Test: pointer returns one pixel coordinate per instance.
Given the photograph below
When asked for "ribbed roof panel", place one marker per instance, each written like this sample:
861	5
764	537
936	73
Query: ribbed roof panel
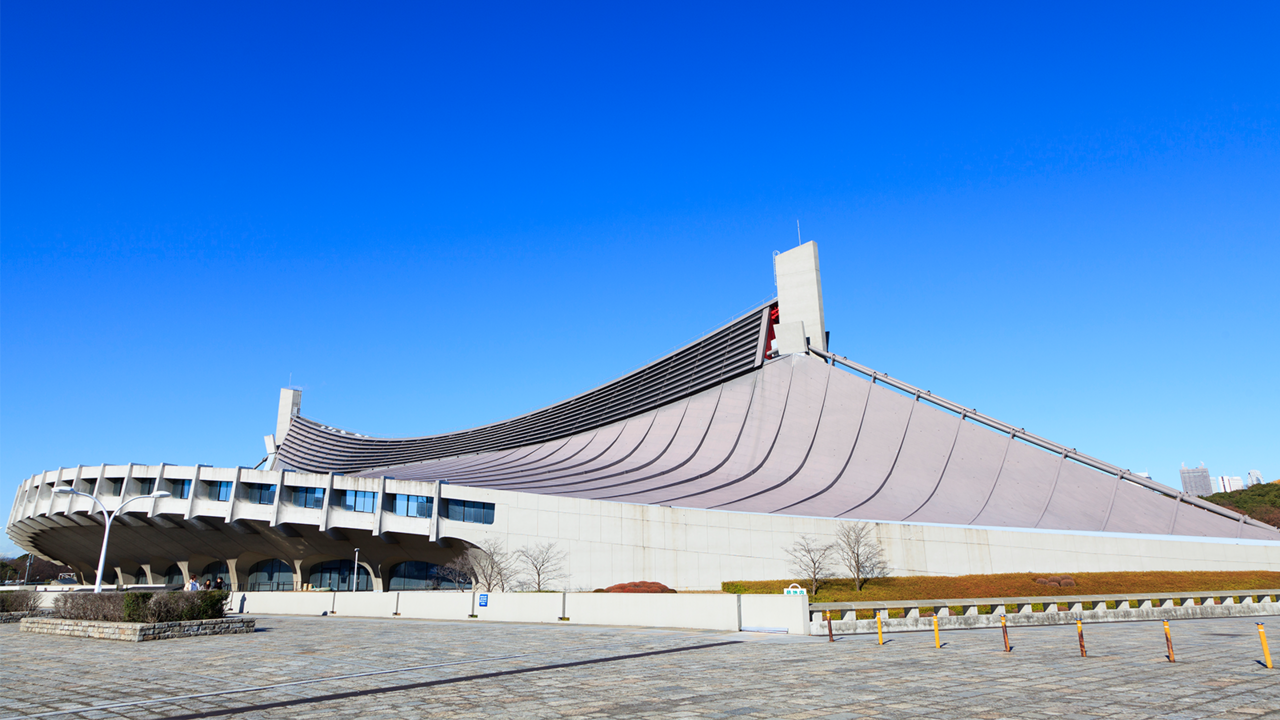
720	356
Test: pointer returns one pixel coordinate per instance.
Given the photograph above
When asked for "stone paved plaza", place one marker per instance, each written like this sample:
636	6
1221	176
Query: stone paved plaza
309	667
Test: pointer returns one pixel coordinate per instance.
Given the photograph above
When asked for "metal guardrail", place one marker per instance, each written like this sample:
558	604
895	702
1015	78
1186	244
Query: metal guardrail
970	605
1045	444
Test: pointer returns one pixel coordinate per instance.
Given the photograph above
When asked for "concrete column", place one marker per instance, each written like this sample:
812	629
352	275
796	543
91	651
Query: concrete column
800	291
290	405
235	497
48	505
275	510
380	508
232	575
324	506
191	497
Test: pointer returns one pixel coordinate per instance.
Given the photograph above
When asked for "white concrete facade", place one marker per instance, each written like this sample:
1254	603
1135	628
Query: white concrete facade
607	542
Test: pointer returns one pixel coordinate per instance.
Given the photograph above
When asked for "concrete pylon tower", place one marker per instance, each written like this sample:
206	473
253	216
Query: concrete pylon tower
799	300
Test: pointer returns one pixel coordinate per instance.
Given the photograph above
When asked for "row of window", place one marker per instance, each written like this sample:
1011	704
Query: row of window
363	501
334	574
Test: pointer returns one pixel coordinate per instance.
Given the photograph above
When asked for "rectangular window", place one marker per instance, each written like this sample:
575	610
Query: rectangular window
115	485
467	511
259	494
220	491
181	489
414	505
308	497
357	500
146	486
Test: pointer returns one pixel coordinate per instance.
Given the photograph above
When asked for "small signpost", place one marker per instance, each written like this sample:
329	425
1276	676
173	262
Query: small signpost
484	599
794	590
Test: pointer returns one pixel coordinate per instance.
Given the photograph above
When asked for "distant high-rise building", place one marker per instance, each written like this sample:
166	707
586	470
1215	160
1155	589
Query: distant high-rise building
1196	481
1255	478
1230	482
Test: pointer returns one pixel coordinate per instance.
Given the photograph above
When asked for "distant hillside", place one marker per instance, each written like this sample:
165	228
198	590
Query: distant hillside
1260	502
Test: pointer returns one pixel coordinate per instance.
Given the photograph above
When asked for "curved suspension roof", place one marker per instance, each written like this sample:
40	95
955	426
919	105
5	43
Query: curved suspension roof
721	355
714	426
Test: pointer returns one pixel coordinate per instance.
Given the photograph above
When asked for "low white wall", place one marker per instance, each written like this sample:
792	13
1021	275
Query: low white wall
776	613
710	612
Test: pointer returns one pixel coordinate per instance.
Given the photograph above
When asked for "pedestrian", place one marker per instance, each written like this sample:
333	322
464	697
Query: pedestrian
217	584
194	585
208	585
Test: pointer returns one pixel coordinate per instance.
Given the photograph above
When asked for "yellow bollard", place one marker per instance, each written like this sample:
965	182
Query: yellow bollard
830	632
879	630
1080	632
1168	639
937	641
1266	651
1005	630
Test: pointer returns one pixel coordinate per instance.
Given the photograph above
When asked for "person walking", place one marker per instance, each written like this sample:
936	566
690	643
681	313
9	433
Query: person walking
194	585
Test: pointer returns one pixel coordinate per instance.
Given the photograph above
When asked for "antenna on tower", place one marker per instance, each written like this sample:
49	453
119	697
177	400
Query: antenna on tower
799	242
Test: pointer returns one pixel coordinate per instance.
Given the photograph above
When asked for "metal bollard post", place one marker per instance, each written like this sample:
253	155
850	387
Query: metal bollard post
1168	639
1080	632
879	630
937	641
1005	630
1266	651
831	637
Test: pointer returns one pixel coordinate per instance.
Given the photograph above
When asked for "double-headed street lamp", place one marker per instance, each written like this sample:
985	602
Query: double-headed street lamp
108	517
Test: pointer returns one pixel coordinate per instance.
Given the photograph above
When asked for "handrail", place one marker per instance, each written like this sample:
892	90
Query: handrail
1046	599
1021	434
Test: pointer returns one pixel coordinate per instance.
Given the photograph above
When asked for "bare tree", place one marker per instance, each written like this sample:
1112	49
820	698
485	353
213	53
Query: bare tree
459	571
543	564
860	552
810	560
492	567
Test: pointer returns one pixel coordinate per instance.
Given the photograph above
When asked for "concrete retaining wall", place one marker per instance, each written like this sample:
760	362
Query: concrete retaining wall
775	613
136	632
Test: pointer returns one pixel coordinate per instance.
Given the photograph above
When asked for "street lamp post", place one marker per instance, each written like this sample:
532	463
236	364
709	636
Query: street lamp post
106	525
355	572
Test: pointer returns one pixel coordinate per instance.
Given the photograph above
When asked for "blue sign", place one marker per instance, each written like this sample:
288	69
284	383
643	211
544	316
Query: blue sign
484	599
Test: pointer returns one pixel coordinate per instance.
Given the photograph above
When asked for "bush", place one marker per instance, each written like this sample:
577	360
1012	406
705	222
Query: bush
19	601
639	587
141	606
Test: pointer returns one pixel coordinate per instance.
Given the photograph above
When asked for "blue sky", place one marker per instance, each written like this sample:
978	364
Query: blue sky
435	217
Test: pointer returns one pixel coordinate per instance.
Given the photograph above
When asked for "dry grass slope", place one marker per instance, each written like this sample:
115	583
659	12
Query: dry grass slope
1017	585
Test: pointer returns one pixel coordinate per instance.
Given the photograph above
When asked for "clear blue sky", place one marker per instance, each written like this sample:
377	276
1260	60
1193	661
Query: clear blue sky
432	217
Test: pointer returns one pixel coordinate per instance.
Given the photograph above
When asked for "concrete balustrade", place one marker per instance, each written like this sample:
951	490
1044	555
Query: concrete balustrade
1149	606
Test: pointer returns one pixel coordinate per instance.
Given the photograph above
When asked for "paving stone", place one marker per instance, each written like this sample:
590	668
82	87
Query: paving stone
1126	675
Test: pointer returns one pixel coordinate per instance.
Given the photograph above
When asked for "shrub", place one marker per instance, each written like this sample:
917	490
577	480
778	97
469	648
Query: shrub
89	606
19	601
141	606
639	587
926	587
134	606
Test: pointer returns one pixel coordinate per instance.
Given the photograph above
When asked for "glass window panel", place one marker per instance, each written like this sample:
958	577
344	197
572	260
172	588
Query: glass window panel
488	514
